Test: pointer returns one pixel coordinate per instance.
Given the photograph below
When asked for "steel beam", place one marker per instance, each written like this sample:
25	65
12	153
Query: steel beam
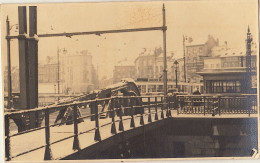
96	32
33	58
23	55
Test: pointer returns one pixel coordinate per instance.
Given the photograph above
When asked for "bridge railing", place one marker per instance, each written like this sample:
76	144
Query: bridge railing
118	109
217	104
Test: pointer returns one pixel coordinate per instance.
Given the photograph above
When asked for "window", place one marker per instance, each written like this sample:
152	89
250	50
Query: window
151	88
229	86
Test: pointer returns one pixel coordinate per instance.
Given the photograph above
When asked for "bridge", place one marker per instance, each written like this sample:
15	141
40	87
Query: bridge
128	129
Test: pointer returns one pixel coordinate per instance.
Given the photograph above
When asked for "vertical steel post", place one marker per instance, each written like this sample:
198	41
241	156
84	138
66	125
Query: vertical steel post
58	73
48	153
9	77
23	58
219	111
249	105
248	61
133	103
149	109
76	137
156	114
97	136
33	58
7	139
162	103
33	65
204	101
169	107
121	126
112	111
141	117
164	54
184	59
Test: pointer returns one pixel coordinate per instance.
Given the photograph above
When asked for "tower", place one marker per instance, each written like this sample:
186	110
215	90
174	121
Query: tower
248	60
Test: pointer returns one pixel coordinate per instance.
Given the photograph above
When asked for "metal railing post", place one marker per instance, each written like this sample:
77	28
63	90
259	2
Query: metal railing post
112	111
48	153
176	105
7	139
204	101
141	118
249	105
165	104
97	136
121	125
162	108
219	111
156	114
132	103
191	104
169	107
149	109
75	121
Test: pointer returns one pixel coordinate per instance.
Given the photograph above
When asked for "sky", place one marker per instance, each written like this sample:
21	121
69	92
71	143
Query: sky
226	20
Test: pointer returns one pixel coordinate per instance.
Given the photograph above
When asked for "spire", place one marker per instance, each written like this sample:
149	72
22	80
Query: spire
7	18
248	29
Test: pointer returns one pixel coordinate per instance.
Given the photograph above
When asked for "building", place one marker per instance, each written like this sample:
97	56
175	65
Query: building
226	71
77	73
195	52
150	64
15	80
124	69
48	71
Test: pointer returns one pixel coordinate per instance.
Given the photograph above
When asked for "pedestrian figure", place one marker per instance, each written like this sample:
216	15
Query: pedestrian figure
196	101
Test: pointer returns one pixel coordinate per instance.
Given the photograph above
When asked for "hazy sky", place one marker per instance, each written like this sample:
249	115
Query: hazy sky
227	20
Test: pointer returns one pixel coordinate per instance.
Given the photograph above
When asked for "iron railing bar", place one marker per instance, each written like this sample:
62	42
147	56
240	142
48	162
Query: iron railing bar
23	153
27	131
62	139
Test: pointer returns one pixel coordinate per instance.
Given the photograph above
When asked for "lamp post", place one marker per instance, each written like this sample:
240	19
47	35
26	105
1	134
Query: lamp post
184	59
176	66
9	75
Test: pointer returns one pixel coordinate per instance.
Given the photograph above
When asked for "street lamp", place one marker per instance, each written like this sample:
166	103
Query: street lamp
9	77
176	66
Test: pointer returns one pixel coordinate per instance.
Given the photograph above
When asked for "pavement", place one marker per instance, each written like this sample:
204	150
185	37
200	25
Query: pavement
28	141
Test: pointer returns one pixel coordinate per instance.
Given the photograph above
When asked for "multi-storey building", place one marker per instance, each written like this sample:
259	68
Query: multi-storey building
124	69
48	71
226	71
196	51
77	73
15	80
150	64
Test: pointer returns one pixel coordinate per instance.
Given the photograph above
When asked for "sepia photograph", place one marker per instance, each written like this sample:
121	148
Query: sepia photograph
130	80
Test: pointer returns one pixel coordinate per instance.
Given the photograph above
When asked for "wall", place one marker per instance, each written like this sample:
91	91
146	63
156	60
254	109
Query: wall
179	138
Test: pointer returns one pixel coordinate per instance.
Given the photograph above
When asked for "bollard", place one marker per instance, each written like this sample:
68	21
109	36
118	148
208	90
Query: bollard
48	153
97	133
75	121
7	139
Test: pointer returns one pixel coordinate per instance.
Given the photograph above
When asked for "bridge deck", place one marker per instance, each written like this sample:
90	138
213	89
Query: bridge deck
36	139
